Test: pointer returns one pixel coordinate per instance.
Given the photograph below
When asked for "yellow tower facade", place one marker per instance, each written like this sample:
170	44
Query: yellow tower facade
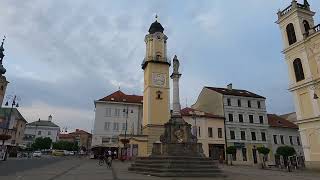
156	94
301	42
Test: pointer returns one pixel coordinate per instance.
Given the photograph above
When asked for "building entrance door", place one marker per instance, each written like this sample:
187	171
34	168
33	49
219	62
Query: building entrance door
216	151
254	153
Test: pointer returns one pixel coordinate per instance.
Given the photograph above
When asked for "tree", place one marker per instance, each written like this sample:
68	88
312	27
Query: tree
65	145
231	150
42	143
265	151
286	151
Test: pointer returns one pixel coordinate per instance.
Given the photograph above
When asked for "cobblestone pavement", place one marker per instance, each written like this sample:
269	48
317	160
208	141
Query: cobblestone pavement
87	169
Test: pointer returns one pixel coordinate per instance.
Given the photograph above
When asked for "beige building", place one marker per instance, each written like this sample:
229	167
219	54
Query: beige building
15	128
81	137
301	47
245	119
209	130
156	91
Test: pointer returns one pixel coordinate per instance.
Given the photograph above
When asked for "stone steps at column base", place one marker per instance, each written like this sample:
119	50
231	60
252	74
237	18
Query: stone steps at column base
175	165
179	173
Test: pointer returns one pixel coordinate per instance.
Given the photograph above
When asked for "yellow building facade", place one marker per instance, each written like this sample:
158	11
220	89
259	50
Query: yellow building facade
301	47
156	93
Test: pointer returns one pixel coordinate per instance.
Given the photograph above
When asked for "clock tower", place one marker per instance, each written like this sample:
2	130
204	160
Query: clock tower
156	93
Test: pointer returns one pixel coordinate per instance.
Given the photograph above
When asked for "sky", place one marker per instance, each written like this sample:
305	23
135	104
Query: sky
62	55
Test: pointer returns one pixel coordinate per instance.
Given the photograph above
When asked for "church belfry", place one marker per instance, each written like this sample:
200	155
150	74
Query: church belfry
301	47
156	93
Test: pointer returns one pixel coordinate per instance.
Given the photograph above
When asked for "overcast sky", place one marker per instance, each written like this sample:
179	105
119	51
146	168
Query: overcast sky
62	55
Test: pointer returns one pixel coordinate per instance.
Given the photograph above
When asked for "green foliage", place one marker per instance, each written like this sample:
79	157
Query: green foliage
263	150
65	145
286	151
42	143
231	150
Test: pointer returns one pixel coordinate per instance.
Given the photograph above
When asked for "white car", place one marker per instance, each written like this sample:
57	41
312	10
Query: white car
37	154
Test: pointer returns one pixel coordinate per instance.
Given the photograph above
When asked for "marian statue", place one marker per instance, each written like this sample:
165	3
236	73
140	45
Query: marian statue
176	65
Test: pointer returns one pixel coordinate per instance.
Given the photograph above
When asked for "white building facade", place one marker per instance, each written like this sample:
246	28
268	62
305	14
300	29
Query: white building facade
283	133
245	119
116	114
41	128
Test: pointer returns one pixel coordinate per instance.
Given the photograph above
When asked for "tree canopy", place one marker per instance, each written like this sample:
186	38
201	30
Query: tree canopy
263	150
286	151
66	145
42	143
231	150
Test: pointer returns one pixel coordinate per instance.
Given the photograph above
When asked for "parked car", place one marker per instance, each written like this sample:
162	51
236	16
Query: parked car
37	154
58	153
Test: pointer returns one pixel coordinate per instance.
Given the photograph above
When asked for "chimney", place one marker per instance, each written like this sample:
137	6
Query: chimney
229	86
50	118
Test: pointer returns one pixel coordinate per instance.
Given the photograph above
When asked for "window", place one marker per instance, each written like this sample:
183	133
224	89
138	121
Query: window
253	136
199	130
125	112
263	136
249	103
219	132
298	141
124	126
106	125
239	103
159	95
210	133
230	117
261	119
244	154
234	156
291	34
108	112
243	135
251	118
306	27
298	70
39	132
275	139
229	102
49	133
116	112
259	104
240	118
115	126
281	139
290	139
232	135
105	140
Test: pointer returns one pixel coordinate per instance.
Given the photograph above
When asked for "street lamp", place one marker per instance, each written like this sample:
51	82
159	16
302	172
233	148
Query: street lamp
14	100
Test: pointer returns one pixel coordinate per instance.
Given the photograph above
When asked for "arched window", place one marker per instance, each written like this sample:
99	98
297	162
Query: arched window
291	34
298	70
306	26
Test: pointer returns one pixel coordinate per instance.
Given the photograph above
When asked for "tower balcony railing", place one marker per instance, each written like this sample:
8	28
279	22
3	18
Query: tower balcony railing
316	28
292	6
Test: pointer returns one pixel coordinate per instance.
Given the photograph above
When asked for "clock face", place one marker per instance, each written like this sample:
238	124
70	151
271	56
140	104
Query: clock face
158	79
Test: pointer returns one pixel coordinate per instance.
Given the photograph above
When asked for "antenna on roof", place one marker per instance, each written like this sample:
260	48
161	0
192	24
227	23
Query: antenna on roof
186	102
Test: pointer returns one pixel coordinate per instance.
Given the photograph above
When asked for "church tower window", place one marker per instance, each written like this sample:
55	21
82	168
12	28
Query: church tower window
306	27
291	34
298	69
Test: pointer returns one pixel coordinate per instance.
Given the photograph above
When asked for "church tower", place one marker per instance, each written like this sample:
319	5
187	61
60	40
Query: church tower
301	47
156	93
3	80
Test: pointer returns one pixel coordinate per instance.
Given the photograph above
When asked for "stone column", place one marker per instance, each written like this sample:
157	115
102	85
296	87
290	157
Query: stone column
175	76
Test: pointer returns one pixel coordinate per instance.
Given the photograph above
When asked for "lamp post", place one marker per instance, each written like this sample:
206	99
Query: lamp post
125	141
14	103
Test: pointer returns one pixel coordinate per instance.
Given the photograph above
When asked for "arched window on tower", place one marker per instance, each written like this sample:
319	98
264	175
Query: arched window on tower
291	34
306	27
298	69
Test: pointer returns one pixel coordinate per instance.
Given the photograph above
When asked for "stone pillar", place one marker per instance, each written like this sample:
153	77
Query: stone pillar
175	76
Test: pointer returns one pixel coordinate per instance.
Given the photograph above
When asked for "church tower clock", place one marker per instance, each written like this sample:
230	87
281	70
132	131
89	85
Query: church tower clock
156	94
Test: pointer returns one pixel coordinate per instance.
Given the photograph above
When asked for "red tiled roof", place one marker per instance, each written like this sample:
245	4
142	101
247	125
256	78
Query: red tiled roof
235	92
277	121
119	96
80	131
188	112
65	136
